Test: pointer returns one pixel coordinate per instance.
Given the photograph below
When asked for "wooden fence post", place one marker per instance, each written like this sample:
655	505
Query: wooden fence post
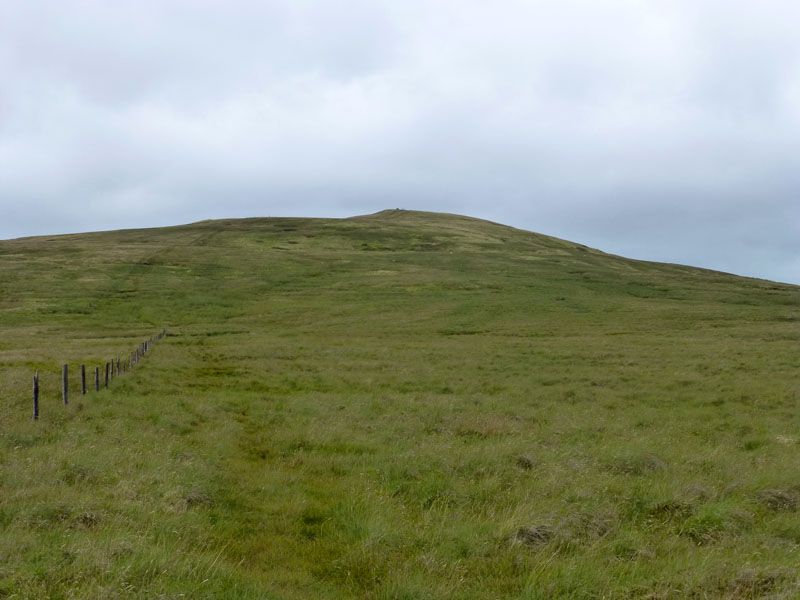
106	374
83	379
36	396
117	367
64	383
111	374
97	379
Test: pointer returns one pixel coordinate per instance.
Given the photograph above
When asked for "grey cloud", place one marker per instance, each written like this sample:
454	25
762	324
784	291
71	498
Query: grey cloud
656	130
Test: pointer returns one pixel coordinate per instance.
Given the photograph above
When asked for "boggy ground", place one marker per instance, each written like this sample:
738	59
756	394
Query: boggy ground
403	405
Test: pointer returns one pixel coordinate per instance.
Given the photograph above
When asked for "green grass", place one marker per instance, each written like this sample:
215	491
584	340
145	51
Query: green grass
403	405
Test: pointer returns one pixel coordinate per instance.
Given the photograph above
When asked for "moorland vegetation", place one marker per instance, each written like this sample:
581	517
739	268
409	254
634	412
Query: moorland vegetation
399	405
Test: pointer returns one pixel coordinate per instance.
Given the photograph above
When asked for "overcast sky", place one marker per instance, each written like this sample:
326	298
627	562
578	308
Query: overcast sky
656	129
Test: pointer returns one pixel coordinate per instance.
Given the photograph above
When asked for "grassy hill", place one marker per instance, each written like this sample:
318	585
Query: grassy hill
399	405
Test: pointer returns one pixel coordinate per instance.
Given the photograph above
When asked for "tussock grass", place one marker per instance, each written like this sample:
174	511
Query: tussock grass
401	405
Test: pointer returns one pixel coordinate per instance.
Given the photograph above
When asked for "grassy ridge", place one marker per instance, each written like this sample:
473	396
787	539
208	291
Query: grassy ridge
401	405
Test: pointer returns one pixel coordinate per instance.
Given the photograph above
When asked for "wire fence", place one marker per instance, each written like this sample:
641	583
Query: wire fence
114	368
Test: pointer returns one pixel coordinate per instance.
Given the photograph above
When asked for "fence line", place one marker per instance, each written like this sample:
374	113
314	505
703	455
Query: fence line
114	363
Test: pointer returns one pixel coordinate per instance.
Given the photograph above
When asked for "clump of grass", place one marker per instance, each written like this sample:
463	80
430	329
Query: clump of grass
567	532
758	583
714	520
637	464
753	444
534	535
526	461
779	500
670	511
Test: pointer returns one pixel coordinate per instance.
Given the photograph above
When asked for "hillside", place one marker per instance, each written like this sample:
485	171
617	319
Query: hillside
397	405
